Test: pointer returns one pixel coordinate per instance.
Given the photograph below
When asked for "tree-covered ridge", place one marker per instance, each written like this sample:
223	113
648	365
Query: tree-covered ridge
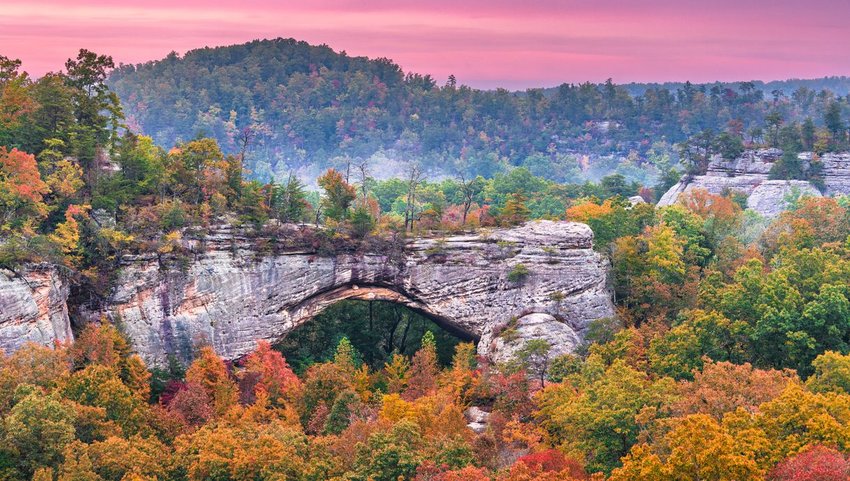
729	358
839	84
80	189
290	106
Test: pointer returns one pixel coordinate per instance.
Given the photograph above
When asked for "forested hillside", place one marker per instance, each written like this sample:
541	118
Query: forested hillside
839	85
290	105
728	359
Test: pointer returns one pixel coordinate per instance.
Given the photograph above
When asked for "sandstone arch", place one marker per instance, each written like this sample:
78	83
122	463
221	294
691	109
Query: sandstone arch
313	306
230	297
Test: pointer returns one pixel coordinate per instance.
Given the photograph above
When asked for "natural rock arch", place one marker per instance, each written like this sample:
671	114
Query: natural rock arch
231	296
314	306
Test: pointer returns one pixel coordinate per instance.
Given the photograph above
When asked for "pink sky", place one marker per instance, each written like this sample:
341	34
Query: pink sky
484	43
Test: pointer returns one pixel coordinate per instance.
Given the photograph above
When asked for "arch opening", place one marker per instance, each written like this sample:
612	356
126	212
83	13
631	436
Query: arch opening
376	327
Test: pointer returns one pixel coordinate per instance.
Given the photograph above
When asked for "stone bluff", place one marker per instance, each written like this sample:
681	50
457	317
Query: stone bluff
749	175
33	307
229	295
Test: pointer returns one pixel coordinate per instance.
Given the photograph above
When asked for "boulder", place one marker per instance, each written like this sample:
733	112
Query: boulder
477	419
562	338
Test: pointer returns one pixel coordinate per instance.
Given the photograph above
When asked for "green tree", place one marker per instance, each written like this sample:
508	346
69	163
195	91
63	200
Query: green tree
696	152
200	171
36	432
54	118
789	166
100	386
729	146
535	358
773	122
16	100
834	124
389	456
338	197
699	334
362	223
831	373
339	416
92	98
601	415
470	189
289	201
346	357
808	134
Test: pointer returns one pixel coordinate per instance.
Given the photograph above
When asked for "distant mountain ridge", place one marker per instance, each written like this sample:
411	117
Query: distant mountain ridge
294	106
840	85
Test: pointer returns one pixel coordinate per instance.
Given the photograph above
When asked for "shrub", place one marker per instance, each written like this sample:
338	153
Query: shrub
518	273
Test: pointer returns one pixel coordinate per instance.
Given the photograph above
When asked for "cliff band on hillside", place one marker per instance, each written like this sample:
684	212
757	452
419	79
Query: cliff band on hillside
33	307
749	175
539	280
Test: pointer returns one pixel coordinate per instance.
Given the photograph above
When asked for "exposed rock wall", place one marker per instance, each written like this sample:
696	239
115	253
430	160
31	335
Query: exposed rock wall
748	175
230	297
836	172
33	307
562	339
230	293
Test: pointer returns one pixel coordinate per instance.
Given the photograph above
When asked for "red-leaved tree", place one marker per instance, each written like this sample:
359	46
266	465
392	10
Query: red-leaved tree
266	370
553	460
817	463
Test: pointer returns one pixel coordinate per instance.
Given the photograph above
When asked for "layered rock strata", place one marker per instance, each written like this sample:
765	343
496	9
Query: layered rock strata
33	307
749	175
473	285
227	289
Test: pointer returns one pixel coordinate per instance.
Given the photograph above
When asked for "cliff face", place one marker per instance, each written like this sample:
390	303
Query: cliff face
33	307
748	175
230	297
232	293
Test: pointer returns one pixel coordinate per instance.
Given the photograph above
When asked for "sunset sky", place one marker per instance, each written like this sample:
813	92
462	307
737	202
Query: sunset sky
485	43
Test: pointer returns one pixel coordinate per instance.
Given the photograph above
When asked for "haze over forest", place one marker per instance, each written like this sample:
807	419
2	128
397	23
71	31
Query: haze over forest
309	108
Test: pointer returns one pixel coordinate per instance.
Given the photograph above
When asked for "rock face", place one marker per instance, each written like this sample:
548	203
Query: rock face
33	307
836	172
231	297
478	419
561	337
748	175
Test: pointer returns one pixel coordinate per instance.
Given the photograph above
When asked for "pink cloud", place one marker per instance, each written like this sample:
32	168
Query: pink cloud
485	43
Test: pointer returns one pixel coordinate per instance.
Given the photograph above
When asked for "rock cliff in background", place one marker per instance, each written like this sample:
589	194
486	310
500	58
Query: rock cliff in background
748	175
230	297
33	307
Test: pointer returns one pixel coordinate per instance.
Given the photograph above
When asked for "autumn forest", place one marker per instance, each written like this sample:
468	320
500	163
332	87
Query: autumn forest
728	357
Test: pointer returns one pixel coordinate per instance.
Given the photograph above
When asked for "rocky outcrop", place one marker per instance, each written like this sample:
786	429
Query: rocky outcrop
836	172
477	419
539	280
771	197
561	337
748	175
231	297
33	307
